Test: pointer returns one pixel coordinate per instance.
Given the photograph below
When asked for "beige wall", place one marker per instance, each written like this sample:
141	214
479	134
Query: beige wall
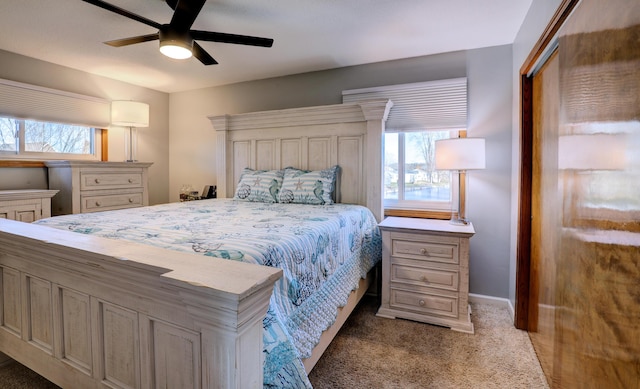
153	141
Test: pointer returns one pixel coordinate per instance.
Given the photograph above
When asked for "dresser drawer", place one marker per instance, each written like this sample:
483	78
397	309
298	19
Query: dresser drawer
432	304
92	181
109	202
431	251
432	278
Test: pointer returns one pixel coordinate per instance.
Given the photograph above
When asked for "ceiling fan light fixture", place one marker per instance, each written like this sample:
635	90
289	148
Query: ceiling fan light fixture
176	46
175	50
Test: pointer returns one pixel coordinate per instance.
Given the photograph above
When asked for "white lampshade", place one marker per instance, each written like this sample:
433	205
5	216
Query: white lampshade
129	114
592	152
460	154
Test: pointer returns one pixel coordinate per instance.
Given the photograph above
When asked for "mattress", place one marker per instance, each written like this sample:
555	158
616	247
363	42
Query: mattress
323	251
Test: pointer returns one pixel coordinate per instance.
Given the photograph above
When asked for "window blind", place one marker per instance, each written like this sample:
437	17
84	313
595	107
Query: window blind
431	105
25	101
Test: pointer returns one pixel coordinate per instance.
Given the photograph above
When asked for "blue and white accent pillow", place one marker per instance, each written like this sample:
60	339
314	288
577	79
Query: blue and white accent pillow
308	187
259	185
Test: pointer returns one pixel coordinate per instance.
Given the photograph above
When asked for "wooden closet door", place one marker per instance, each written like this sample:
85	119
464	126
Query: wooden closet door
598	266
584	271
546	206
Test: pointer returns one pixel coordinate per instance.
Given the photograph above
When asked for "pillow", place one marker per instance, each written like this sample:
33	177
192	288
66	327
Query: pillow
308	187
259	185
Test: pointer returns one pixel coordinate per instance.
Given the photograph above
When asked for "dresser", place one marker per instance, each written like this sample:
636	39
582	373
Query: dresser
87	186
425	272
26	205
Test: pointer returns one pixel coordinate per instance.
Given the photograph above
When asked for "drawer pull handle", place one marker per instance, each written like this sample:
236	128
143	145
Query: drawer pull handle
423	251
130	200
98	204
97	180
421	302
130	180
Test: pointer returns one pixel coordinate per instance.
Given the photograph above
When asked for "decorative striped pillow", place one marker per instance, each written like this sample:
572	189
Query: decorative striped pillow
259	185
308	187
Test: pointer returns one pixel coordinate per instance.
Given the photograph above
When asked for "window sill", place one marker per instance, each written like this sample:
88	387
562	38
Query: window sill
422	214
21	163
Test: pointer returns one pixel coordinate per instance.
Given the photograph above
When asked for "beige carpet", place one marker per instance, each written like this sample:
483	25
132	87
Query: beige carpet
372	352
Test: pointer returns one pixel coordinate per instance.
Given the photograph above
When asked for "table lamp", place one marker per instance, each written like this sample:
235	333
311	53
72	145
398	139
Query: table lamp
459	155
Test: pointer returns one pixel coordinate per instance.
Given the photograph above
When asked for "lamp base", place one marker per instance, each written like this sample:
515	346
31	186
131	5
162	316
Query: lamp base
131	145
459	222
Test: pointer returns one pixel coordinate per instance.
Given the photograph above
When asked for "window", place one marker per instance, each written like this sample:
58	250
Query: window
422	113
38	140
410	179
33	123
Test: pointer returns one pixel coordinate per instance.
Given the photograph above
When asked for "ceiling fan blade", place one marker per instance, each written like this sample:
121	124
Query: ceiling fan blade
202	55
172	3
123	12
231	38
186	12
133	40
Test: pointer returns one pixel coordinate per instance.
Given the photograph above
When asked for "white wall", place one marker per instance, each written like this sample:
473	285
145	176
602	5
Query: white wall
192	139
153	142
533	26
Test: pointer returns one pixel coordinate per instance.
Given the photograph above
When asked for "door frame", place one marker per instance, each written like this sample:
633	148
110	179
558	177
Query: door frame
523	248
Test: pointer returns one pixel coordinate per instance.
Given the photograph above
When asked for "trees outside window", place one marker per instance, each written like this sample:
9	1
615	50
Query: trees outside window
410	178
39	139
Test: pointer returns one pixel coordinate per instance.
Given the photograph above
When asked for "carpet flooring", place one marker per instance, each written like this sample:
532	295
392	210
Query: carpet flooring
371	352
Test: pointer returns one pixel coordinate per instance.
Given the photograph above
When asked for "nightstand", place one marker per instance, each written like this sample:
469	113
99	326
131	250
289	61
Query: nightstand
425	272
92	186
26	205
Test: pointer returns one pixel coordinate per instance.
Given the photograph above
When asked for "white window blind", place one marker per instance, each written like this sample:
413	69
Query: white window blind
431	105
25	101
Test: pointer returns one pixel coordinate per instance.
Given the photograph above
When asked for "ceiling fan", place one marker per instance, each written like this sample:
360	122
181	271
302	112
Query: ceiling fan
177	40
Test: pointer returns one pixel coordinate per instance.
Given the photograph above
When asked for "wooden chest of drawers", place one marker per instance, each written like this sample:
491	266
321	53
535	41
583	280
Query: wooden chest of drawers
97	186
425	272
26	205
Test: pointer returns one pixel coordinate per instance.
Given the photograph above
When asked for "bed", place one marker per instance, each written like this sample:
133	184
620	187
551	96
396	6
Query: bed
104	308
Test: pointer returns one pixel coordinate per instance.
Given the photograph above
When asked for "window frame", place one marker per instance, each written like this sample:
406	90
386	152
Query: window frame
100	146
429	209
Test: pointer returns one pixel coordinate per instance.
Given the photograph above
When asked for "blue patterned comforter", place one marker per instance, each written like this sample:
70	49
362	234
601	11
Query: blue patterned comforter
323	251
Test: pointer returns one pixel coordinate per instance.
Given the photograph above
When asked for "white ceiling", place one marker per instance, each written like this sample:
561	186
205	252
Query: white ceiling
309	35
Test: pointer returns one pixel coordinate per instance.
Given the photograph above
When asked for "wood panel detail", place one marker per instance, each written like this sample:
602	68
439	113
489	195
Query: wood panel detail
319	154
291	152
173	346
75	315
350	153
265	154
119	346
39	313
11	298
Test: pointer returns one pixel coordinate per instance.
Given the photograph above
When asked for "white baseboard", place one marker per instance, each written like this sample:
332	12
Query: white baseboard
499	301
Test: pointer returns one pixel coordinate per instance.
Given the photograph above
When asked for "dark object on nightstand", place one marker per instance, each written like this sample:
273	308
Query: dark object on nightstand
209	192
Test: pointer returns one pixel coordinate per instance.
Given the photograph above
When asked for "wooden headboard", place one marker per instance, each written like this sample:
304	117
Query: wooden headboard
314	138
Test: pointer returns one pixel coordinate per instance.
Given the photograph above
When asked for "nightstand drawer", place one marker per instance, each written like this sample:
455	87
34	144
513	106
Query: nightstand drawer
424	303
415	249
109	202
91	181
433	278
